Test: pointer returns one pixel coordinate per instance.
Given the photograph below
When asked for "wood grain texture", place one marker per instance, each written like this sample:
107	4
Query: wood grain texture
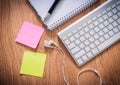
12	15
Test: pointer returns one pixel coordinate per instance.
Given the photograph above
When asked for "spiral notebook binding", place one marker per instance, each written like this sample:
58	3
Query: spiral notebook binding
71	14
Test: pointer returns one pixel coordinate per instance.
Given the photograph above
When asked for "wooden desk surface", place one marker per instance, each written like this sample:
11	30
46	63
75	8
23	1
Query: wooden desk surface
12	15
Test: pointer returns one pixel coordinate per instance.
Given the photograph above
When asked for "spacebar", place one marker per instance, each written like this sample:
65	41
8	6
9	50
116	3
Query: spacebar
109	42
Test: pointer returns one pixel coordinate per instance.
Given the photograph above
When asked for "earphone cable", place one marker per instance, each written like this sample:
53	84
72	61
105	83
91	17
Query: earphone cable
89	69
63	65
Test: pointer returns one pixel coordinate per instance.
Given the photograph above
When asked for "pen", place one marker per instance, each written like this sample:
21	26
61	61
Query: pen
51	9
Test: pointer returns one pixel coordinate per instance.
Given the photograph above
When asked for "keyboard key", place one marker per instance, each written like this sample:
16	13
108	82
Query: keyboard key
118	14
118	8
115	30
79	54
101	39
115	17
72	45
105	23
92	32
87	35
87	48
82	38
82	45
86	42
80	61
67	42
84	24
91	26
118	2
92	46
114	24
96	23
105	30
101	33
86	29
95	51
105	17
99	15
119	27
110	14
110	27
74	50
90	55
72	38
100	19
94	18
91	39
89	21
70	34
101	26
110	20
79	28
77	42
74	31
109	8
118	21
113	5
76	35
96	36
106	36
81	32
96	29
97	42
64	37
109	42
84	58
114	10
104	12
111	33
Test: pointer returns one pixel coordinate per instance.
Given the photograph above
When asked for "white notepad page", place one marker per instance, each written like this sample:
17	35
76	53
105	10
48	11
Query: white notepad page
66	9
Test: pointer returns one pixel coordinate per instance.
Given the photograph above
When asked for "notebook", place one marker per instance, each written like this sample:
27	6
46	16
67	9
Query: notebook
64	10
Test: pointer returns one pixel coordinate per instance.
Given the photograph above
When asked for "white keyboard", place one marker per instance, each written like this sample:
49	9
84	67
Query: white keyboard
93	33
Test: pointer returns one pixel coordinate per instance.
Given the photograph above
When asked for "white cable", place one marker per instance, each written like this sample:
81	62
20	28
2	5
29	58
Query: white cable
89	69
79	73
63	63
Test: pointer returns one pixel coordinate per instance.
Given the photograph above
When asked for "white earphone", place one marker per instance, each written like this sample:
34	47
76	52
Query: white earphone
49	44
52	44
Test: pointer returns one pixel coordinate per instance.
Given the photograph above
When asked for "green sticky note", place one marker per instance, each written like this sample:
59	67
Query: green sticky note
40	17
33	64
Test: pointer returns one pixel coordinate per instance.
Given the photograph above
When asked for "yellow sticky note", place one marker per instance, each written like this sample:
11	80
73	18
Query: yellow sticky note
33	64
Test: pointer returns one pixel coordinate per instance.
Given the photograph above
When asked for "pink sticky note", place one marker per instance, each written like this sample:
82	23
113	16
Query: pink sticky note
29	35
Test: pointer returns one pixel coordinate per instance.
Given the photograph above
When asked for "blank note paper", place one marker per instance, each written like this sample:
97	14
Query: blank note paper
33	64
29	34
